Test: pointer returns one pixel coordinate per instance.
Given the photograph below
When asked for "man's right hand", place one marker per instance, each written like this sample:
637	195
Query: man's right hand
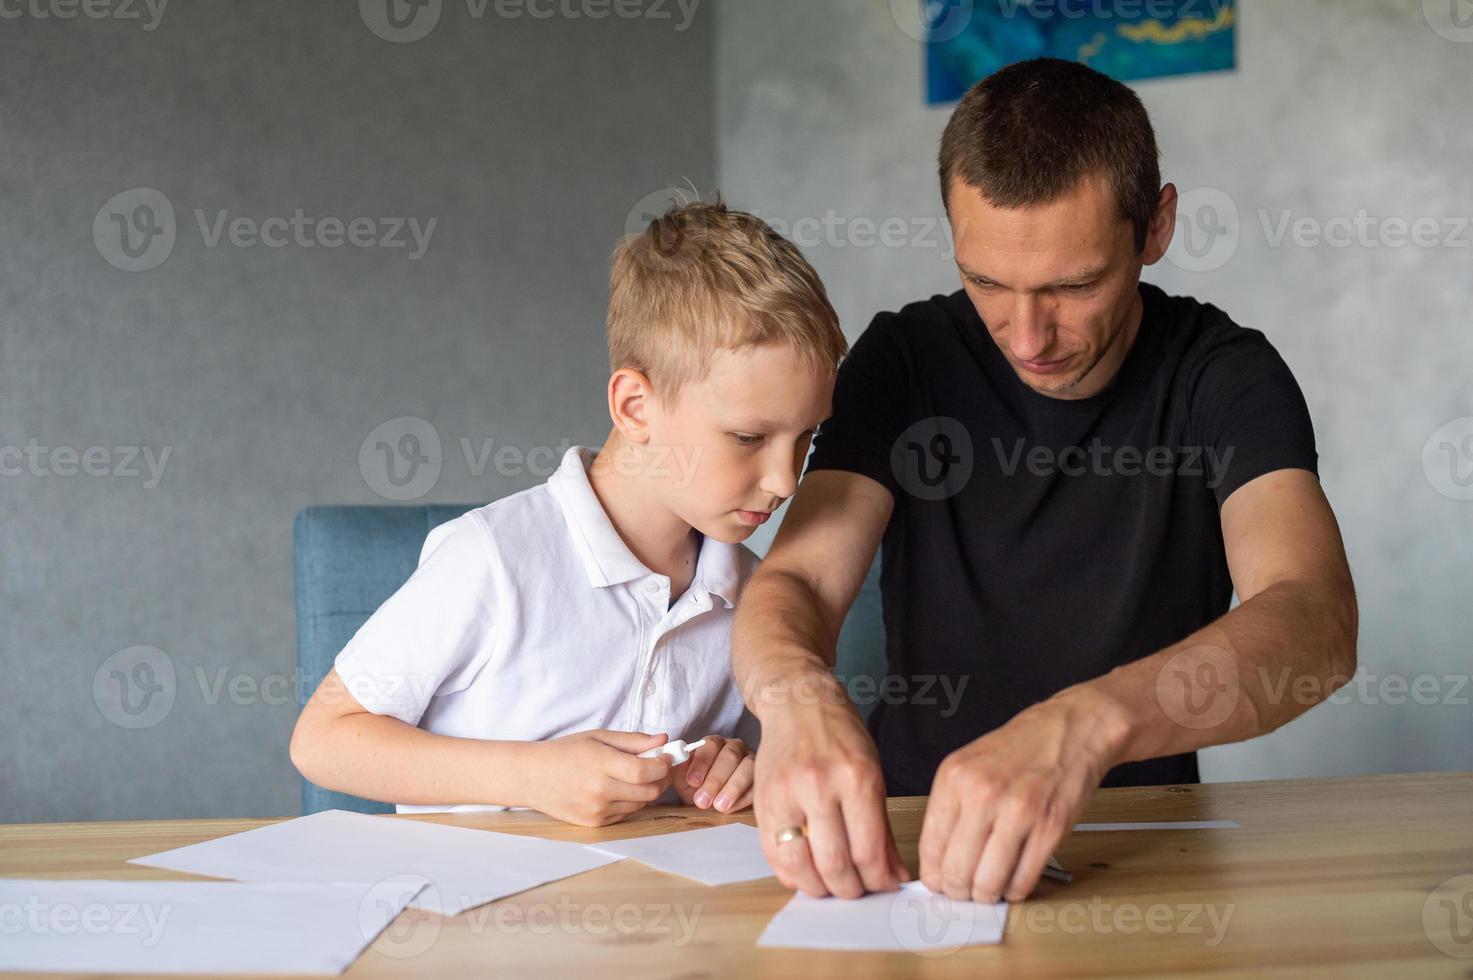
819	769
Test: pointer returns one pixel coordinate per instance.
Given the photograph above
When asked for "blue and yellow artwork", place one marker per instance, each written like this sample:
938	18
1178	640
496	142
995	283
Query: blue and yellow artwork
967	40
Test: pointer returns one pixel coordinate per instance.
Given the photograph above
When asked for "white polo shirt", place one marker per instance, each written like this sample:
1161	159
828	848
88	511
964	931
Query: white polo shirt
529	618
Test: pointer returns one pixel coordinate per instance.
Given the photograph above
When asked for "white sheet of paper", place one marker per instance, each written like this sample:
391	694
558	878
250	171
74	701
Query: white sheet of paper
913	918
712	855
463	867
191	926
1162	825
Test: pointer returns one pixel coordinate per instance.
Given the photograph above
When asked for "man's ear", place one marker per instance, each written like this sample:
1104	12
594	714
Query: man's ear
1163	226
631	397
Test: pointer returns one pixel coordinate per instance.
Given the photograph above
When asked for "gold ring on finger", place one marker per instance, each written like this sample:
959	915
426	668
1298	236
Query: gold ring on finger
790	834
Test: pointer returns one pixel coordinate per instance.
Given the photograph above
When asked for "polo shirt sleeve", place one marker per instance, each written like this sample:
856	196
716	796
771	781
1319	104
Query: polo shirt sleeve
1248	414
430	637
870	395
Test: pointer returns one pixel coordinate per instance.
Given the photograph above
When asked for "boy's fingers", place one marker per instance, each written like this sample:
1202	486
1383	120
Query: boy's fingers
632	769
701	759
637	793
634	742
615	812
749	798
721	770
737	787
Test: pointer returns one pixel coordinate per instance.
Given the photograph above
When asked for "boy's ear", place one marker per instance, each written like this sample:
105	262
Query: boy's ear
630	398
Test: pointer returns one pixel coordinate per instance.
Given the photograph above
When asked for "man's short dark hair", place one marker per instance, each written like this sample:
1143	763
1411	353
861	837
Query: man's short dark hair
1027	134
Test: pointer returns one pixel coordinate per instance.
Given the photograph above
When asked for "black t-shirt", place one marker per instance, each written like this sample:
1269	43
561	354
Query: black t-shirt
1039	542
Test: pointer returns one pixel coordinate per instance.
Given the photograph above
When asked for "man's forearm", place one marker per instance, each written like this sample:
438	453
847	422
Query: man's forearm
782	649
1247	673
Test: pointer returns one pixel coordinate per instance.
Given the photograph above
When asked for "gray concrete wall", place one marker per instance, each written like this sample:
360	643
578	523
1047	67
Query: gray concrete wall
261	370
1338	107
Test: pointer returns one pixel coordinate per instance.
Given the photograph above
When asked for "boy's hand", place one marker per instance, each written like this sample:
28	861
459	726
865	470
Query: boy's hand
719	774
596	778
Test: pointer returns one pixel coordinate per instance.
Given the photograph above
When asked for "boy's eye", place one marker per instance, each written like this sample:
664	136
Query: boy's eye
746	440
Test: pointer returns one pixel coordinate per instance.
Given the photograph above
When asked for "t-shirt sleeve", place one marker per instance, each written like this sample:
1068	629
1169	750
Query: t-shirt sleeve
431	636
870	395
1249	414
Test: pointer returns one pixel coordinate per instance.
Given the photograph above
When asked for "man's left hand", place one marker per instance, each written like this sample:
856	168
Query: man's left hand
1000	805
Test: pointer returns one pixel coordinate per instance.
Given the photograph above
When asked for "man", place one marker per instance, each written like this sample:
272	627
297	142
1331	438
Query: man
1072	473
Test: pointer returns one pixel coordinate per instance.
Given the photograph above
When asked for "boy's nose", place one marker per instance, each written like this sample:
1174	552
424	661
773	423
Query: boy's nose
780	478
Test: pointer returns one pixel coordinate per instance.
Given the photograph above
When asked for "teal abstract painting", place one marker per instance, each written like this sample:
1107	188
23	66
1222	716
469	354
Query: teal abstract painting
967	40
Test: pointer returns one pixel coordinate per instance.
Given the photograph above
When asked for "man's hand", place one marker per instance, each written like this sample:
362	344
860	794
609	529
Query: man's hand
1000	805
819	769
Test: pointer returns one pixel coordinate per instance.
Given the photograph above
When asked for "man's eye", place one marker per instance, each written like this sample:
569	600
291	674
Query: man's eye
1078	287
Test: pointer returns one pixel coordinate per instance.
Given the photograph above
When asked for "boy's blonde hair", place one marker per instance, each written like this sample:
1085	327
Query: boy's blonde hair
703	278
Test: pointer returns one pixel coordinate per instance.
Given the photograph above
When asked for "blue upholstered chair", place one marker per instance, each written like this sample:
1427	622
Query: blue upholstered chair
348	560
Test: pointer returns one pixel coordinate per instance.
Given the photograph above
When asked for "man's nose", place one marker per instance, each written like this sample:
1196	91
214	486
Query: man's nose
1029	334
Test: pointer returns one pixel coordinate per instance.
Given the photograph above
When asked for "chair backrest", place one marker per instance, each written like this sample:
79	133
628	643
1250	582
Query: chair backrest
349	559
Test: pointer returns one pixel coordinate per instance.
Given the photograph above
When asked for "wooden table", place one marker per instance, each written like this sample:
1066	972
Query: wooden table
1345	877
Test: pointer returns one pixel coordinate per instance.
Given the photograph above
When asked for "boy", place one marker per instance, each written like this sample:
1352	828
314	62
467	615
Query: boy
547	639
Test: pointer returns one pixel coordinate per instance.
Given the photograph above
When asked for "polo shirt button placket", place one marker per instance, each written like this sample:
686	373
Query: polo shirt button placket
653	587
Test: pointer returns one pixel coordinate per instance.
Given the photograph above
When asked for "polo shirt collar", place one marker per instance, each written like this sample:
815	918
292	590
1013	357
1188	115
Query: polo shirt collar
606	558
719	570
